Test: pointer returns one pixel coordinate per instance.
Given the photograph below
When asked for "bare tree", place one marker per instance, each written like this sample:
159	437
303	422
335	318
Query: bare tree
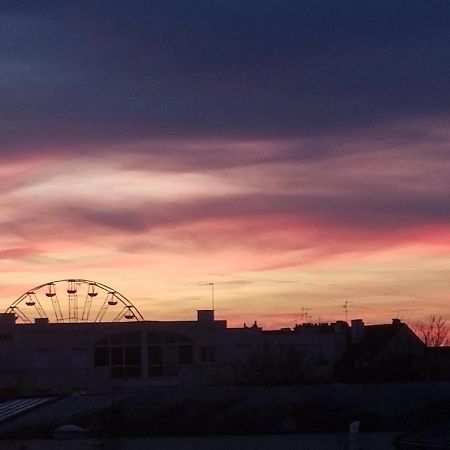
434	331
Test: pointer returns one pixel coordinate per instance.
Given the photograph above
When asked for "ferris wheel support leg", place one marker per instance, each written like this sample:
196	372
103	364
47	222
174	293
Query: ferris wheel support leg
121	315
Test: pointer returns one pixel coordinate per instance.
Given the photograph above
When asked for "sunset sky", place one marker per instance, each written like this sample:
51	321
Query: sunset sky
295	153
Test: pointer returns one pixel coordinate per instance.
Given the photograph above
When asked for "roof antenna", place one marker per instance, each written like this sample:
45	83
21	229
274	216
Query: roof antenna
212	293
345	306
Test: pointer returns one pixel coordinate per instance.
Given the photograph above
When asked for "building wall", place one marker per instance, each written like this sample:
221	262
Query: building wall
44	358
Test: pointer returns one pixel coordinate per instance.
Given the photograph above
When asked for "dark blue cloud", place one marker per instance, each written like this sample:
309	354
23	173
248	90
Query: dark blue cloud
112	70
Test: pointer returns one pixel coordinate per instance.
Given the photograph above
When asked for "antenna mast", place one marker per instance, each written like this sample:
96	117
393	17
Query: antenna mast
345	306
212	293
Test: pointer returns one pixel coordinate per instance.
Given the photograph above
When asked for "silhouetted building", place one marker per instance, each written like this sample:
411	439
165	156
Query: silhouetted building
391	352
47	358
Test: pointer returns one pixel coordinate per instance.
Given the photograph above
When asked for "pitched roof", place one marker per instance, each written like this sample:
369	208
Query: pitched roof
377	337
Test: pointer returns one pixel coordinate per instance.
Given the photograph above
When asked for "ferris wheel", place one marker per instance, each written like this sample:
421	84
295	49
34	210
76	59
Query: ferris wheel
74	301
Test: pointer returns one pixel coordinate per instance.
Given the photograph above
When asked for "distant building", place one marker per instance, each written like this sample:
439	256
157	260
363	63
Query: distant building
382	353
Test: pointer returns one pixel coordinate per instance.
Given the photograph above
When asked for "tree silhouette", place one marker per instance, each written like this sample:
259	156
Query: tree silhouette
434	331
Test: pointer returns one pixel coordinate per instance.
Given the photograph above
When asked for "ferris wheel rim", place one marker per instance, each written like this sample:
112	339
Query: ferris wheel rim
117	294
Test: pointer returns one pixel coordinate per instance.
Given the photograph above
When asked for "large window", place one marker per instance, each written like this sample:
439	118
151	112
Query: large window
121	353
208	353
166	352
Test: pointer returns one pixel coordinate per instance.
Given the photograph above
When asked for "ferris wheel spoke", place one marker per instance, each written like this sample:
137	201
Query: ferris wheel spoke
57	309
86	309
51	294
91	293
121	315
20	314
73	300
40	310
102	310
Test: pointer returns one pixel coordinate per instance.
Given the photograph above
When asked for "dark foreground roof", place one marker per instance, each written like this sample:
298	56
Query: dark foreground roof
436	438
377	337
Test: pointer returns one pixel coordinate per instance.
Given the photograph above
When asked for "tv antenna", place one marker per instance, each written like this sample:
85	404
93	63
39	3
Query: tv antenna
305	315
345	306
212	292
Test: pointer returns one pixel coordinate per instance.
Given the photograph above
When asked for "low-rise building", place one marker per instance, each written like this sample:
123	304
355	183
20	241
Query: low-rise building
48	358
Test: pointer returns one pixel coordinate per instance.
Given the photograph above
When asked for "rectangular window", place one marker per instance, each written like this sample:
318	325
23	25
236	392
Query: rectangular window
155	355
208	353
132	372
171	355
155	371
185	354
171	371
116	356
102	356
117	372
132	356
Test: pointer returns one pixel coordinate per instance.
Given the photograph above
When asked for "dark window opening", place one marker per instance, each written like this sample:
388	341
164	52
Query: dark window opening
132	372
155	355
185	354
121	353
171	371
155	371
116	356
208	353
117	372
102	356
132	356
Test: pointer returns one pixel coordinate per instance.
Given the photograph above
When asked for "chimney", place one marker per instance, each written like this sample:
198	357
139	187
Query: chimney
357	330
205	315
396	322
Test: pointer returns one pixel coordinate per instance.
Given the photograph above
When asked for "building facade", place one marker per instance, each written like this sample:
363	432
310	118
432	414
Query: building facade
43	358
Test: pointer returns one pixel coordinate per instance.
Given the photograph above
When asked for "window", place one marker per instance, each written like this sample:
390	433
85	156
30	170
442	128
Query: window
116	356
208	353
102	357
132	356
121	353
186	354
166	352
155	355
